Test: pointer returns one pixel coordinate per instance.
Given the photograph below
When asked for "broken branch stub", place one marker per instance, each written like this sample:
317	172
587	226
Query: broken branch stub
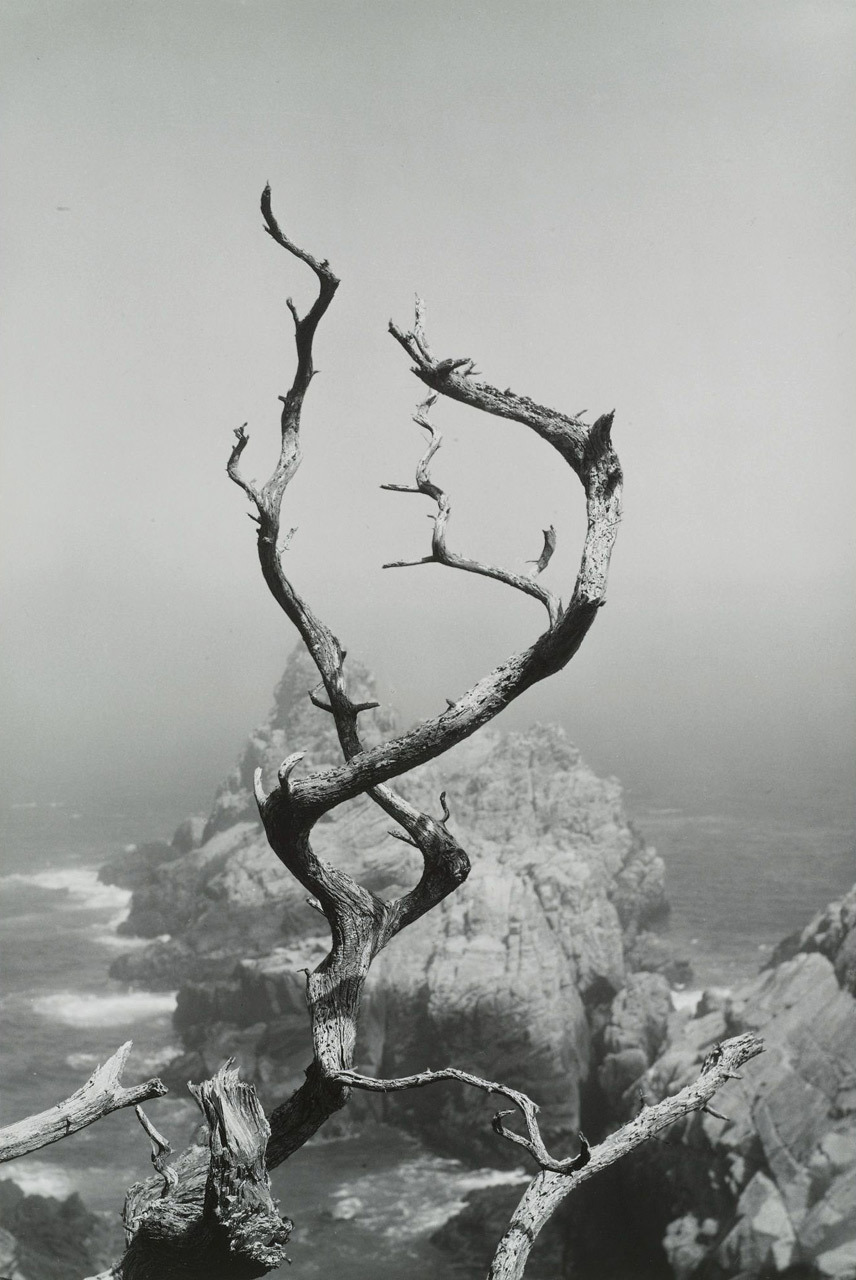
211	1213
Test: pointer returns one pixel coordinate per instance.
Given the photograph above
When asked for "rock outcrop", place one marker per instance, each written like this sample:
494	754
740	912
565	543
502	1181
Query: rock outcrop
771	1189
510	977
833	933
42	1238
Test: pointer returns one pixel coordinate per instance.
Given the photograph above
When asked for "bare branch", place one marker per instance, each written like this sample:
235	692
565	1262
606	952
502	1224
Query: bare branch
440	553
361	924
101	1094
549	1188
160	1150
532	1142
589	452
233	469
450	378
410	564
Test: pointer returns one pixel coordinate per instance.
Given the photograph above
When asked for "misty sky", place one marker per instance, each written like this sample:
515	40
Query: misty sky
645	206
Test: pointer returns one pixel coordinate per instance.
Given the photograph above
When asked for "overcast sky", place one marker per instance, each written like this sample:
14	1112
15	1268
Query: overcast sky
645	206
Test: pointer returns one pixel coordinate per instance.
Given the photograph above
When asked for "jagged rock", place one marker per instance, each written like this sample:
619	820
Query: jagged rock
838	1264
833	933
189	834
503	978
9	1256
780	1173
763	1238
136	866
634	1036
772	1188
163	963
651	953
686	1243
42	1238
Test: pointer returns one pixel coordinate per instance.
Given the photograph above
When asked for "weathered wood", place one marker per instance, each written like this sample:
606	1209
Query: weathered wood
212	1209
102	1094
213	1217
549	1188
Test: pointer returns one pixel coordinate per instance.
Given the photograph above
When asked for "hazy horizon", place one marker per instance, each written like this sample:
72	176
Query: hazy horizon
646	207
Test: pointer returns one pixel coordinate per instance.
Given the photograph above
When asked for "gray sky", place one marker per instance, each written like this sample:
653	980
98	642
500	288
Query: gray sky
639	205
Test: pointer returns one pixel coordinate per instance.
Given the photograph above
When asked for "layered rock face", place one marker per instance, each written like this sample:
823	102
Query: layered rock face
771	1190
509	977
42	1238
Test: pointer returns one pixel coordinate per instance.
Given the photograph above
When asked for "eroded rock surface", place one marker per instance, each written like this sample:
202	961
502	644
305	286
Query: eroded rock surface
771	1190
508	977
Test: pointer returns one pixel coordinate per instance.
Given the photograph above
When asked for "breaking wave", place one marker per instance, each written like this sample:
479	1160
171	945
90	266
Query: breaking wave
416	1197
88	1009
80	884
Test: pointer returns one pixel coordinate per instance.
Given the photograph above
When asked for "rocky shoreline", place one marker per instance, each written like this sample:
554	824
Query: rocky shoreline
544	970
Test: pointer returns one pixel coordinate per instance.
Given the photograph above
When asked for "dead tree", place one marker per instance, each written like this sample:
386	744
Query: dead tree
210	1214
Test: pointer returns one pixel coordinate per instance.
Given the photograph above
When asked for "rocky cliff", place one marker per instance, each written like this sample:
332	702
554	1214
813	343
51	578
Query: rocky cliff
42	1238
512	976
767	1184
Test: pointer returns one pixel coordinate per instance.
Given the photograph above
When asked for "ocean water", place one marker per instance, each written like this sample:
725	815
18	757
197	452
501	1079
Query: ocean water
740	876
365	1205
746	868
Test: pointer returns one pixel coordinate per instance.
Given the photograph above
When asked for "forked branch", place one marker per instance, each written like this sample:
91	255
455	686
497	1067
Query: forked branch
102	1094
360	922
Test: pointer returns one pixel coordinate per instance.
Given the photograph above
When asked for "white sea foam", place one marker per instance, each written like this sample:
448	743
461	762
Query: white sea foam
80	884
416	1197
106	936
39	1178
87	1009
682	1000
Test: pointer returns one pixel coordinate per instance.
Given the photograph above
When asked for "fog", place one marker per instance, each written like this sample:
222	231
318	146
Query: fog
639	206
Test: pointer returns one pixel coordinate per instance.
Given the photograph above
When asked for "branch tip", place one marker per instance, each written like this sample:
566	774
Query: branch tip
258	789
288	766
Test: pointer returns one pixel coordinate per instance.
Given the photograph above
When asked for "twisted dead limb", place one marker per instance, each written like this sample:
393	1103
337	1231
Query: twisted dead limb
360	922
532	1141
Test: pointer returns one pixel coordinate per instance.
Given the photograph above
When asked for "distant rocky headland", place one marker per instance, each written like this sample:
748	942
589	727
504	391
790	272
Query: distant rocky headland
544	970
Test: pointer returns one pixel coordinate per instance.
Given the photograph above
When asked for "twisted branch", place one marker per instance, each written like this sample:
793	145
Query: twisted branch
532	1142
549	1187
360	923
